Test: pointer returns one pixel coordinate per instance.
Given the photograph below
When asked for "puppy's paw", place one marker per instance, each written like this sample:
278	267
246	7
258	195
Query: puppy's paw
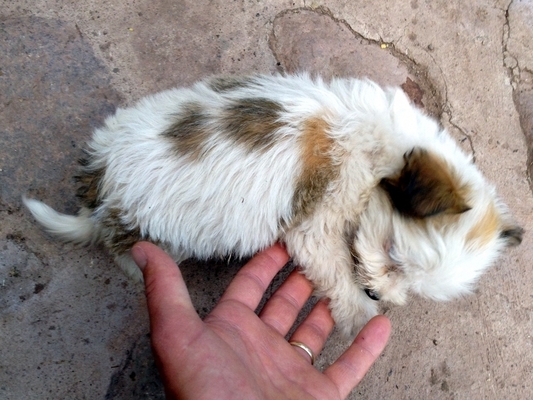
351	316
130	269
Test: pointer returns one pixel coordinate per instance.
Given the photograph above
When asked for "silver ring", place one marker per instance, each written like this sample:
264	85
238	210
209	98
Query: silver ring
305	348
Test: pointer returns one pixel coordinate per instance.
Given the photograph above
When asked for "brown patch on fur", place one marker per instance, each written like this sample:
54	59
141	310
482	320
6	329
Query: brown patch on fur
117	236
189	132
425	187
486	229
90	180
221	84
317	169
253	122
249	122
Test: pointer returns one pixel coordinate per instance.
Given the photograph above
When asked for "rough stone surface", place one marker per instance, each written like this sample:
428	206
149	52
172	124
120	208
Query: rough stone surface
73	327
53	92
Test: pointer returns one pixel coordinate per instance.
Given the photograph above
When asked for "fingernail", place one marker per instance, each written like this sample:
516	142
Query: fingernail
139	256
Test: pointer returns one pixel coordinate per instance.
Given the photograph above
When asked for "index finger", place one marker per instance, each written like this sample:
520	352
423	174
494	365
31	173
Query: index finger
253	279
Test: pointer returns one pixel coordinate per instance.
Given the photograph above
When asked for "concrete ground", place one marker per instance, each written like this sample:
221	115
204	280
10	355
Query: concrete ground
73	327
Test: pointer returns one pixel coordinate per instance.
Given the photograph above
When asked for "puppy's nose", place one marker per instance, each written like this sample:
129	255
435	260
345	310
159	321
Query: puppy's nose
372	294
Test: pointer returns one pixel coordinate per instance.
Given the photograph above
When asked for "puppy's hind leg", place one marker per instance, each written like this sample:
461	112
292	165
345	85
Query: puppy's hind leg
132	271
129	267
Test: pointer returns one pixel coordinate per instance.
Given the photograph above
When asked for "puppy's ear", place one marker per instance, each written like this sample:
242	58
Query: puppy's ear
512	235
424	187
402	112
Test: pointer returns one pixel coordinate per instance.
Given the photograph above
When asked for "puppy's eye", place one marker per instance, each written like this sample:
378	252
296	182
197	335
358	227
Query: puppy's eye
372	294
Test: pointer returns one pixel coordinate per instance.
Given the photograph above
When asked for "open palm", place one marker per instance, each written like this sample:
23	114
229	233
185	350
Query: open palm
234	353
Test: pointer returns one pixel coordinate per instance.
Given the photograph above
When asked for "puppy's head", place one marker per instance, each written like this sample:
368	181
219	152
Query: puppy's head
432	229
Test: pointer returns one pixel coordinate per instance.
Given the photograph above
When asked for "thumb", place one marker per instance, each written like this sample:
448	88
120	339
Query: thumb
352	366
172	315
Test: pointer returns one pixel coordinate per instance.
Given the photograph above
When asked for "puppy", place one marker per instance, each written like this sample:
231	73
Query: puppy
372	198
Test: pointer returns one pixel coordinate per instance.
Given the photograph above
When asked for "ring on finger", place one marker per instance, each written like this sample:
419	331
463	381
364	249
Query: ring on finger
305	348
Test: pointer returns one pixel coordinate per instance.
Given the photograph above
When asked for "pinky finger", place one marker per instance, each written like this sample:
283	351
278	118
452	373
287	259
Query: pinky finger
354	363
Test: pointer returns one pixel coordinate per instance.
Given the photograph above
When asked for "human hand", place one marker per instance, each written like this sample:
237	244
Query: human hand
234	353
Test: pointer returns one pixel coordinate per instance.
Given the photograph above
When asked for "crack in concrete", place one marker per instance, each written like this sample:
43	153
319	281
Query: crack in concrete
442	107
467	137
136	376
507	58
447	110
515	72
413	67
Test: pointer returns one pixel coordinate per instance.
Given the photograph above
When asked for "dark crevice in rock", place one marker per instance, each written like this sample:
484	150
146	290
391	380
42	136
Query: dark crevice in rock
522	82
523	99
137	376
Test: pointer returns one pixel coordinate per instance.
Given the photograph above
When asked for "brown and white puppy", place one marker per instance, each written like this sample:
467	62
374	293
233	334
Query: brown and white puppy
367	192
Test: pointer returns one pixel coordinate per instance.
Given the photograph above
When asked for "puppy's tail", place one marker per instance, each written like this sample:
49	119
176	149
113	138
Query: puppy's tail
80	229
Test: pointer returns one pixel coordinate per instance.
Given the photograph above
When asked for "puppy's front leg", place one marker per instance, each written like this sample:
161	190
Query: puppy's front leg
321	250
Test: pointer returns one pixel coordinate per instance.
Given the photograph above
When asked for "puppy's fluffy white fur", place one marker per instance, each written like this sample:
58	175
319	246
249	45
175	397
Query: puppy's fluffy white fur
367	192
